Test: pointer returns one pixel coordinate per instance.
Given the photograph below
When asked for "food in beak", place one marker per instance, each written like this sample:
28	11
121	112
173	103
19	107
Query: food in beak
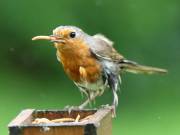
44	38
51	38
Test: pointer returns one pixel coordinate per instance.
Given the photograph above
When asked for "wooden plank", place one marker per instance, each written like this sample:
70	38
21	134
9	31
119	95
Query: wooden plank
105	127
75	130
23	118
99	115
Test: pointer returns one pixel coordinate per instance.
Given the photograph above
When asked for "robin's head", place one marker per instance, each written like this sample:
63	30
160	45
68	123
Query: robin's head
64	36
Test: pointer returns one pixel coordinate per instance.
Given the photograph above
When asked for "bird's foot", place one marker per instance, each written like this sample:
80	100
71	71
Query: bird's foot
106	106
110	107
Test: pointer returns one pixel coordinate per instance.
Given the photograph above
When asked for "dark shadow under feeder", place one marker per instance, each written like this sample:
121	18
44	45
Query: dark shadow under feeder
99	122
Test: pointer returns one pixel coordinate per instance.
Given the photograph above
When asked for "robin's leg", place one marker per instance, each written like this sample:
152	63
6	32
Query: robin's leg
91	97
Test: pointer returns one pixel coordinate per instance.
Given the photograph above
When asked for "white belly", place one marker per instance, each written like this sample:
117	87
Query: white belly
99	85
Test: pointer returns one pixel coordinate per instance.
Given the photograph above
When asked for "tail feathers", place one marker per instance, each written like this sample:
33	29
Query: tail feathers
134	67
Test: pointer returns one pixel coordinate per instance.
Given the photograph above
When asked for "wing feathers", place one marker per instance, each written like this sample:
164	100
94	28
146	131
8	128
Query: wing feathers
134	67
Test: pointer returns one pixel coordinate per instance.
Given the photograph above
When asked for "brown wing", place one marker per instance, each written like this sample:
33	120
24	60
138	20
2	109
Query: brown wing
104	49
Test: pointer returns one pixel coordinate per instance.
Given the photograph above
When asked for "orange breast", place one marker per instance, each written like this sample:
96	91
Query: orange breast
79	64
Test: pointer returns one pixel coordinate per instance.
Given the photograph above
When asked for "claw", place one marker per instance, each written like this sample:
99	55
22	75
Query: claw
112	108
105	106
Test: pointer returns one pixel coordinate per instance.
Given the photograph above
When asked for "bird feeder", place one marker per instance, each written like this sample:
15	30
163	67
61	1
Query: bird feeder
86	122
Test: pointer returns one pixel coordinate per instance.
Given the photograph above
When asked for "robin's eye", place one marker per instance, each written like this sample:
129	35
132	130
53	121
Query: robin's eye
72	34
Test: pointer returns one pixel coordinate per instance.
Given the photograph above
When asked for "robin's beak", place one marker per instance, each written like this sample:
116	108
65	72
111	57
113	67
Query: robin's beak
51	38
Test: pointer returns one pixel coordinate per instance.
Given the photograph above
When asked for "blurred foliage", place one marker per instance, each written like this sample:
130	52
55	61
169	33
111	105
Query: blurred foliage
145	31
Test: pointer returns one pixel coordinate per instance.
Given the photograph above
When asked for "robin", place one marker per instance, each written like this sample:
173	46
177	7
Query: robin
91	62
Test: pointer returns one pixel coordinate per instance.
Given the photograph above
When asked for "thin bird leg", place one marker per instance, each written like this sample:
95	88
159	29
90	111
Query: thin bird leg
86	102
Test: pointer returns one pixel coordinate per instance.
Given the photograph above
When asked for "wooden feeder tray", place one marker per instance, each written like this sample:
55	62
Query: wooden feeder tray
99	122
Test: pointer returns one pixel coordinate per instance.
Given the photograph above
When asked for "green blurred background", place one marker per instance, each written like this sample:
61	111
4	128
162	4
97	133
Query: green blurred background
145	31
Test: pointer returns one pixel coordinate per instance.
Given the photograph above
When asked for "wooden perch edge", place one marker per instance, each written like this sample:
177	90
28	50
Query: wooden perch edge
82	122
